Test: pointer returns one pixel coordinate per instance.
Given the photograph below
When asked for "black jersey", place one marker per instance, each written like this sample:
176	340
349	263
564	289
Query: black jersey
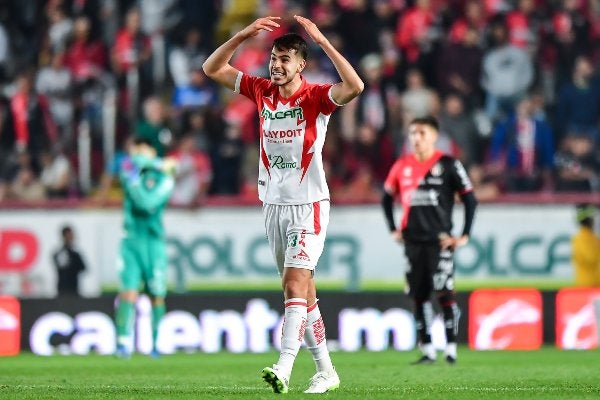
426	190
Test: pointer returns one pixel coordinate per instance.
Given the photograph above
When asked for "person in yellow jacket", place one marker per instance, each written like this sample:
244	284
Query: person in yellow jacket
585	246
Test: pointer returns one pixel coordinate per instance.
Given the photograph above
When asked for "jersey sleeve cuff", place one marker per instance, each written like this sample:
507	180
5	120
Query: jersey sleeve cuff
331	97
238	81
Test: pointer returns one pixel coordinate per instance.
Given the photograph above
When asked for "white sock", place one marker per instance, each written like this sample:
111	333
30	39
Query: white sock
292	333
450	349
428	350
314	336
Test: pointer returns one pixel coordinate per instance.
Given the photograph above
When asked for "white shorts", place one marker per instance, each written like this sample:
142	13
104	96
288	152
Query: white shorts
296	233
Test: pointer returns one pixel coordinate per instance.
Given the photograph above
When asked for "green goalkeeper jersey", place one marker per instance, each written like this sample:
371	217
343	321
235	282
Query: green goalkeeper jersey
146	189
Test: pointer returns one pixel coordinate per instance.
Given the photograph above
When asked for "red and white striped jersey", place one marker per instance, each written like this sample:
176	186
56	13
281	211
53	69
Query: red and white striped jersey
292	134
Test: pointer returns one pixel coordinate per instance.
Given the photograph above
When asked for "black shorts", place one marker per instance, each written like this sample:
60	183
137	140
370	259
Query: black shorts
431	269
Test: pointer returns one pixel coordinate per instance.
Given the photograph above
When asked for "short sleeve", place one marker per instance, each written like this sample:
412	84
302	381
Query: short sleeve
460	179
326	103
391	184
251	86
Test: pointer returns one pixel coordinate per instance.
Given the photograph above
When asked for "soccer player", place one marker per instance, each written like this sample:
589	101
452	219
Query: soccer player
426	183
147	185
291	183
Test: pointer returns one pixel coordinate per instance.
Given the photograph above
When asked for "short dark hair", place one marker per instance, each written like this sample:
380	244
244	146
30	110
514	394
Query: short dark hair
66	229
427	120
292	41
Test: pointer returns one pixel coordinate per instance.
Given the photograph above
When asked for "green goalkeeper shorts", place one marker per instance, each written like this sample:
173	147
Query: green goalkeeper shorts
143	260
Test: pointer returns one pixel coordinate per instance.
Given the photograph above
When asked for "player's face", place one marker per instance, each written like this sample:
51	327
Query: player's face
422	137
284	66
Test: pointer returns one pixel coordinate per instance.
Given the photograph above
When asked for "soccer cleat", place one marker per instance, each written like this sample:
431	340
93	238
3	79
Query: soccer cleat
154	354
424	360
450	360
276	378
322	382
122	352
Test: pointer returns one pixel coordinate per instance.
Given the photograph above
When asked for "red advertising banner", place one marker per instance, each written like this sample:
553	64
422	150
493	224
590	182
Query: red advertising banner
505	319
576	326
10	326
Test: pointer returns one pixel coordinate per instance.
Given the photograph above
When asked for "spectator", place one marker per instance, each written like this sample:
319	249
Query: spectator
579	102
577	164
56	173
507	73
522	150
199	92
60	29
131	60
194	173
473	18
459	125
183	57
417	34
459	63
55	82
69	264
26	186
227	158
373	108
357	28
568	39
417	100
85	56
585	246
33	123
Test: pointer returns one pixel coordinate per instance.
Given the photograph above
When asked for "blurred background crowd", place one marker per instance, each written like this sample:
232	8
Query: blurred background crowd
513	83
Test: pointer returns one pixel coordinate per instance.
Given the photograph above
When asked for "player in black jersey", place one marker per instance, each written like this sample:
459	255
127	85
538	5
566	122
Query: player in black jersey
426	183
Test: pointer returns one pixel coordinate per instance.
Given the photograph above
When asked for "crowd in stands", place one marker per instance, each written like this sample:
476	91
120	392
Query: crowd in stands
512	82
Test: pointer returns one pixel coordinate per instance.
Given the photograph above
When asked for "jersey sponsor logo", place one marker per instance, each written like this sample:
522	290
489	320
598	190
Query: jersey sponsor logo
283	134
292	113
278	162
508	319
407	171
423	198
261	182
576	318
10	326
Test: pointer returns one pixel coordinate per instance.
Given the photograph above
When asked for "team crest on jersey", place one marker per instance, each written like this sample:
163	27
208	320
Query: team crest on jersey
407	171
437	170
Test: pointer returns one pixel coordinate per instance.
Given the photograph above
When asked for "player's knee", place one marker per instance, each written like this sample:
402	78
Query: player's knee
129	295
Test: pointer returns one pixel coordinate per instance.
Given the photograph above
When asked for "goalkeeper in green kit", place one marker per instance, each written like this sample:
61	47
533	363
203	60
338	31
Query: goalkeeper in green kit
147	183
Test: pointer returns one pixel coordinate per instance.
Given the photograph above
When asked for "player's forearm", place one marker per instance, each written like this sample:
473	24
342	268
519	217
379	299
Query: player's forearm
222	55
470	203
149	201
387	203
351	85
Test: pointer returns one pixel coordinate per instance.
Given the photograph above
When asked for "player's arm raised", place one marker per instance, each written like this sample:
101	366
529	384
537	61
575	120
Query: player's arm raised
351	84
217	65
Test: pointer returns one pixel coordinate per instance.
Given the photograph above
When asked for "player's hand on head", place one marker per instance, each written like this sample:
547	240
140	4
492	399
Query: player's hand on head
261	24
311	29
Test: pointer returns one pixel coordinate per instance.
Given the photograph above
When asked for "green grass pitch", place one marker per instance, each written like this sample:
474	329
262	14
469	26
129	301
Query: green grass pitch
543	374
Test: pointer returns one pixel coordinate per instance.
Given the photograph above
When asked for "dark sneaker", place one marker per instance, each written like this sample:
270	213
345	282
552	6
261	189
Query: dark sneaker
424	360
450	360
